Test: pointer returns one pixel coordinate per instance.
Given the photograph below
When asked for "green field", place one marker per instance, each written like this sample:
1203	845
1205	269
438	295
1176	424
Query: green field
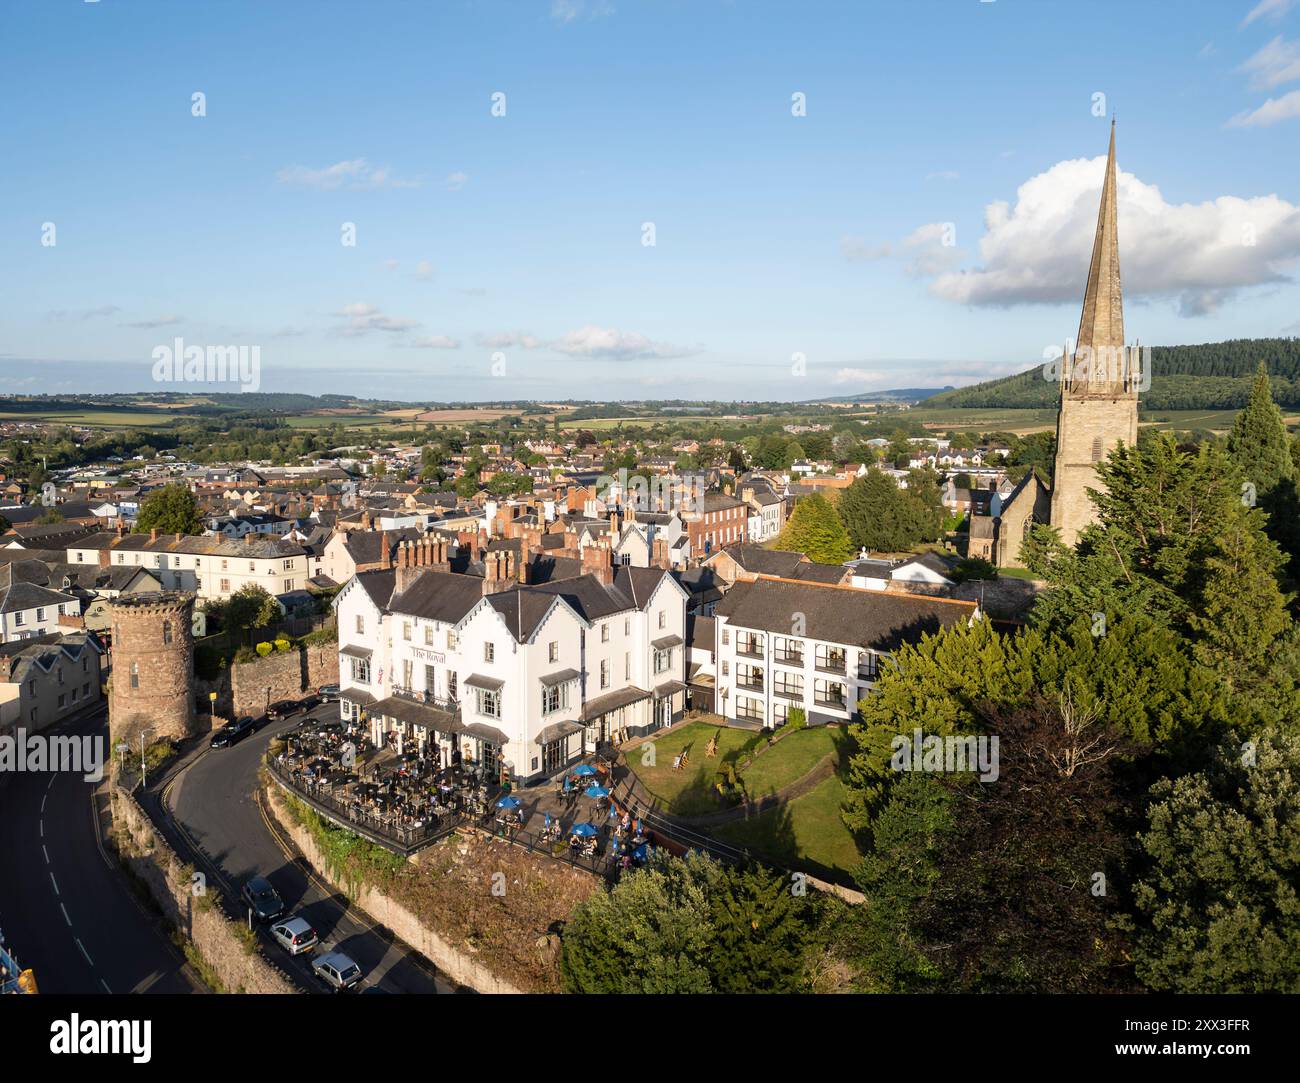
807	832
102	419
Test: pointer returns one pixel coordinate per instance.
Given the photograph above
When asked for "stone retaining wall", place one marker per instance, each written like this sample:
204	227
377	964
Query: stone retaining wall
459	967
289	675
201	920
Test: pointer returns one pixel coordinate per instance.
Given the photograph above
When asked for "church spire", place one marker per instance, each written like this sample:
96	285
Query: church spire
1102	323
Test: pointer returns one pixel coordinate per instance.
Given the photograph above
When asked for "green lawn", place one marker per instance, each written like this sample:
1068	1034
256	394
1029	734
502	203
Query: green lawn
807	832
788	760
690	792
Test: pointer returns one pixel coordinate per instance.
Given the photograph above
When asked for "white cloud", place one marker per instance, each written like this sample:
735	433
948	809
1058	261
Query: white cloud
1271	112
855	376
1199	253
354	173
364	318
1268	9
611	344
435	342
567	11
933	248
1276	63
161	321
424	270
857	250
82	314
456	181
391	264
944	174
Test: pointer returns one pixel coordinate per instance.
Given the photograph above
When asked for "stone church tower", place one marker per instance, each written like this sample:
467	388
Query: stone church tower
1099	381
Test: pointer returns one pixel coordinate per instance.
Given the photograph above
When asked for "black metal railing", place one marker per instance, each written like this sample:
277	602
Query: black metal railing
379	827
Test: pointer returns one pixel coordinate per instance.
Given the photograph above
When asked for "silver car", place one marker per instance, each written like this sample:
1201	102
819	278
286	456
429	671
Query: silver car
337	971
295	935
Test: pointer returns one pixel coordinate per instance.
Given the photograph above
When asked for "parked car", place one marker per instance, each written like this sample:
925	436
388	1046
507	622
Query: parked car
283	709
329	693
337	971
232	733
263	899
295	935
309	703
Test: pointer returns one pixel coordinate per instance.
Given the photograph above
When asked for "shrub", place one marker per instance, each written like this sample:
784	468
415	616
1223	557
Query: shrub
282	644
263	649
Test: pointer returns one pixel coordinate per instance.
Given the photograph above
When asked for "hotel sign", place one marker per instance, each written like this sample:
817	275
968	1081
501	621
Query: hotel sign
429	656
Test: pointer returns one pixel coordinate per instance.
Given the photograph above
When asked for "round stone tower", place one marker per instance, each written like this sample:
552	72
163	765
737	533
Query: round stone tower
153	666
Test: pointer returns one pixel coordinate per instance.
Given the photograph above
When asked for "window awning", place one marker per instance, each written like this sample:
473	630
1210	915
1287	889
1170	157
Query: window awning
557	730
484	732
357	695
594	708
418	714
666	642
490	684
668	688
562	676
356	652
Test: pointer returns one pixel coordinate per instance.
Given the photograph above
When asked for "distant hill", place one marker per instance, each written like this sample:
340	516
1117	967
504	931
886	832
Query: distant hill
899	394
1208	376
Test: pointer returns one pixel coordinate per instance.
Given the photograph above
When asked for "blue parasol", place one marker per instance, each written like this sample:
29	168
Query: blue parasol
584	770
597	791
509	802
584	830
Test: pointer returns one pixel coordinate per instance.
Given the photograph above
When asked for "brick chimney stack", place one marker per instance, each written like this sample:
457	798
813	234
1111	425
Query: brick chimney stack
153	534
597	560
385	559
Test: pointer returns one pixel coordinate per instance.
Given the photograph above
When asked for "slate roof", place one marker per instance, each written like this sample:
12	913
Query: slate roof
863	618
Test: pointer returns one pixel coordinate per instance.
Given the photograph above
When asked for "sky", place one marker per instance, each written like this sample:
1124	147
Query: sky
478	200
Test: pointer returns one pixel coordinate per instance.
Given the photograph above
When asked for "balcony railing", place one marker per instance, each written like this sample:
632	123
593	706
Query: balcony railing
837	704
420	695
789	658
831	664
752	649
751	684
786	691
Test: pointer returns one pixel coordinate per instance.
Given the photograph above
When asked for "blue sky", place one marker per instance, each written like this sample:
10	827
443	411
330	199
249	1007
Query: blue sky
776	235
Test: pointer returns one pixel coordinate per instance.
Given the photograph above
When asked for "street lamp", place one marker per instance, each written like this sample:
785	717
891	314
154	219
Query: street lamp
144	775
212	710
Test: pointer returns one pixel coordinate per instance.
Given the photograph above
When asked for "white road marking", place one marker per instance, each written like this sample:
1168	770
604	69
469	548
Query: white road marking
44	797
55	883
84	951
105	985
42	827
65	915
51	784
46	853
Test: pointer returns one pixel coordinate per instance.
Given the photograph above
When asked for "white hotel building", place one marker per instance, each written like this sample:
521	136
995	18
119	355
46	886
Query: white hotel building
785	643
520	678
210	567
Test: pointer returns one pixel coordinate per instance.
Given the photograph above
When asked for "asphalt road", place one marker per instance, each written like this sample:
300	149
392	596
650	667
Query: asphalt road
213	801
65	908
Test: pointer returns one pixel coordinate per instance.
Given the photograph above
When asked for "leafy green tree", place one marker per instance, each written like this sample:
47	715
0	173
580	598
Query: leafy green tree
690	925
468	485
816	530
249	608
1220	901
173	509
736	459
1258	442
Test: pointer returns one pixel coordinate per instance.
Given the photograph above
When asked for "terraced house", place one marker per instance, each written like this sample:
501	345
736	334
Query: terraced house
784	643
520	678
211	567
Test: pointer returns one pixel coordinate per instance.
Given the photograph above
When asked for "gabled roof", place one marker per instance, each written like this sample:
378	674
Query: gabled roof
844	615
